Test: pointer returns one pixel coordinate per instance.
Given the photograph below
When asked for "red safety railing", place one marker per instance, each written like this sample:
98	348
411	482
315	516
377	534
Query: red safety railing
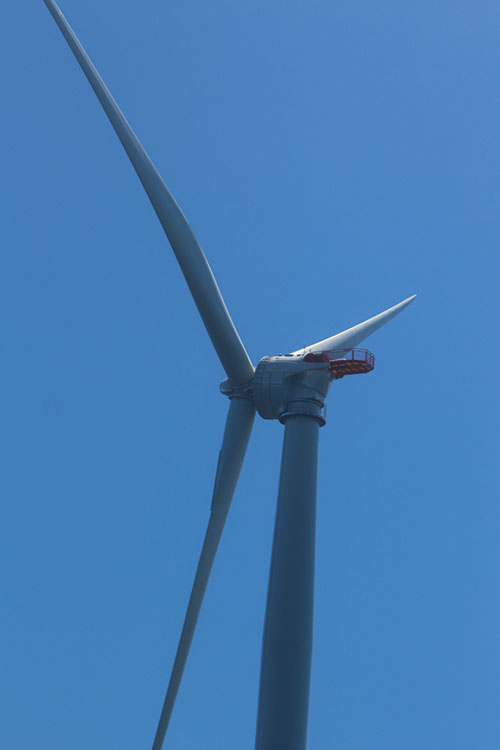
344	361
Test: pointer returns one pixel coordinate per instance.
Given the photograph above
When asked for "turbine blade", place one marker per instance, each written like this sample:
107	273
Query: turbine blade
353	336
188	252
234	444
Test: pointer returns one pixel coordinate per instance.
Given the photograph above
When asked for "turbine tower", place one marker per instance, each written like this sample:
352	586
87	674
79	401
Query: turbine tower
291	388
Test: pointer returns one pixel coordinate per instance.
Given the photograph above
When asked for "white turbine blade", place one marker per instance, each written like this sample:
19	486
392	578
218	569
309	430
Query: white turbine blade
353	336
188	252
234	444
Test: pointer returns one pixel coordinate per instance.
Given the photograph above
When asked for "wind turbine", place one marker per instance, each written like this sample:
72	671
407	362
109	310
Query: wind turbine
291	388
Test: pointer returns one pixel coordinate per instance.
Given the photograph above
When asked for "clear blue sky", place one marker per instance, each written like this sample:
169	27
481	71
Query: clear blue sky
333	158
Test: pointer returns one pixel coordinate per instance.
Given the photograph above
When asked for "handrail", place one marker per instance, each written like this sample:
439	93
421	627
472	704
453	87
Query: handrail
343	362
354	355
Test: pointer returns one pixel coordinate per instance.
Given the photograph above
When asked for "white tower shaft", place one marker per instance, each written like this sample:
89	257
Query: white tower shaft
288	630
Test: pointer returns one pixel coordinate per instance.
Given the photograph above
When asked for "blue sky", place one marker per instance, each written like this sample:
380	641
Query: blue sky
332	158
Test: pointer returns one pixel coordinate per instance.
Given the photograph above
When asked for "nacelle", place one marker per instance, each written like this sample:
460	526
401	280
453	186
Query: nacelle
288	384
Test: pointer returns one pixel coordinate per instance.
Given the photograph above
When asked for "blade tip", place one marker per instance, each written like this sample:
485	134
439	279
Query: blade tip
407	301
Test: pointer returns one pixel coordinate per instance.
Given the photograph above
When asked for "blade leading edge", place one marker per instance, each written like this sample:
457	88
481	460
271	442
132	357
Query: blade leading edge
234	444
188	252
